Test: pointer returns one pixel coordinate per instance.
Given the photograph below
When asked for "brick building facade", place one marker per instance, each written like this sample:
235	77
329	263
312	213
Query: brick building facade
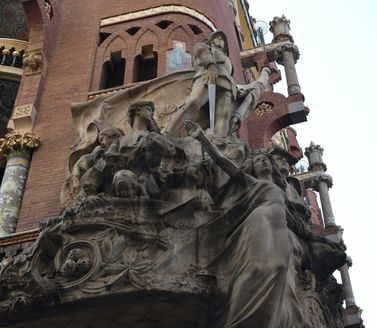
80	50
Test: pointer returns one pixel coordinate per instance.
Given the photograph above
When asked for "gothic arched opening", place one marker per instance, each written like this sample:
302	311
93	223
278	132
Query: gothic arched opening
113	71
145	64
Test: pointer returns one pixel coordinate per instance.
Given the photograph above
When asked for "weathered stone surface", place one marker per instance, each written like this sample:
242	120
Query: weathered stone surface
199	228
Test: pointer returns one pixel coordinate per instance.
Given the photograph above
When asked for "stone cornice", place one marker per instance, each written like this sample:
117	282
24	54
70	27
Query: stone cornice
158	11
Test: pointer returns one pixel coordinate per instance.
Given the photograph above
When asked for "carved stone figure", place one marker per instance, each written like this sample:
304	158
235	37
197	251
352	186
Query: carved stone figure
186	184
125	184
139	152
285	161
147	215
213	70
321	255
213	84
249	243
315	257
106	137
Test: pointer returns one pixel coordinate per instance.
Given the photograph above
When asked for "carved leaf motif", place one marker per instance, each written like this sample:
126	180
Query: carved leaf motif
106	247
143	266
114	268
135	279
119	244
129	256
100	285
113	247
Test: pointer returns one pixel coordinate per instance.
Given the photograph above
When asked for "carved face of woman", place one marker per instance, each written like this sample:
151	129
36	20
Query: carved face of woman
218	42
261	165
107	137
282	164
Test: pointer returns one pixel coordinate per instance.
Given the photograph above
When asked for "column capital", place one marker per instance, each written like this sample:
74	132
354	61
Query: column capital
317	177
19	141
326	178
349	261
287	47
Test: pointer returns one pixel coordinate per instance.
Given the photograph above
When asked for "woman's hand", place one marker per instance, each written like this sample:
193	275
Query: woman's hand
194	130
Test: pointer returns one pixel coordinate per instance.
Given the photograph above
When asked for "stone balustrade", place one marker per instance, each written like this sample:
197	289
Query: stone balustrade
12	52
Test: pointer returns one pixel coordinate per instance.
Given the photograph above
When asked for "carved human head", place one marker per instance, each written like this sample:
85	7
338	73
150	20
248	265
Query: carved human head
283	159
260	163
108	135
219	40
125	184
143	110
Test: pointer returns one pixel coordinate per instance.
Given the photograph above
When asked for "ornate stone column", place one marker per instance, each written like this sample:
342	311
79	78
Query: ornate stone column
347	286
321	182
286	54
18	148
324	183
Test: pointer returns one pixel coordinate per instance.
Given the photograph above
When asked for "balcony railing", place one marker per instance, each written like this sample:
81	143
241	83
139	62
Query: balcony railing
11	52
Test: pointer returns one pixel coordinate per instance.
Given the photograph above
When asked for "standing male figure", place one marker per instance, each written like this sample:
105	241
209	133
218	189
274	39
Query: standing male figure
213	67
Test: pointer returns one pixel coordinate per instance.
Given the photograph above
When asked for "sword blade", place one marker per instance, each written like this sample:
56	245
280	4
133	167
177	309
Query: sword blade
212	105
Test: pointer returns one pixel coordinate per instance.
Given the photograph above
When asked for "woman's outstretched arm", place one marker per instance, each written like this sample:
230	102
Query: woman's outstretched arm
217	156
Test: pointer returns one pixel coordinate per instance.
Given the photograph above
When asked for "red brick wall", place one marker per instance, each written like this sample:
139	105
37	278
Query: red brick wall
316	218
70	45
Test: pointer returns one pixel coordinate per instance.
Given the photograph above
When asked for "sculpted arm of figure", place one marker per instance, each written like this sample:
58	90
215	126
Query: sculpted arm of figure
254	90
218	157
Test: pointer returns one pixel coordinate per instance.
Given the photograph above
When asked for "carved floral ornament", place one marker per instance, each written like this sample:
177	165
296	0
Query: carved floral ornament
264	108
18	141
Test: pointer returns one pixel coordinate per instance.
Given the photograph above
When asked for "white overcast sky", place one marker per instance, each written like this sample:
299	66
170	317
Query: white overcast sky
337	73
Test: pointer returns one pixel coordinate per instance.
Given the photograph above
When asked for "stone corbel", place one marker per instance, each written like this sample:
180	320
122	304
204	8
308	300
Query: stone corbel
33	62
23	118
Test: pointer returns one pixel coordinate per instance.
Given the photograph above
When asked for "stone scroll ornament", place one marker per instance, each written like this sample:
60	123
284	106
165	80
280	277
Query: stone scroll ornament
200	216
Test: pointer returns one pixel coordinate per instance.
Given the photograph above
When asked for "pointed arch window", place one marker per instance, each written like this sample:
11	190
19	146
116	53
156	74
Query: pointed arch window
146	64
113	71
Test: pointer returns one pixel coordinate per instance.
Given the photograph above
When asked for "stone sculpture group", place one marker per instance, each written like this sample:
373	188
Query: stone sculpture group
191	211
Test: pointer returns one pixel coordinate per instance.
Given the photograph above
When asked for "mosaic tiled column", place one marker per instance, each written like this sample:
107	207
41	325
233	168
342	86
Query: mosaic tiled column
18	148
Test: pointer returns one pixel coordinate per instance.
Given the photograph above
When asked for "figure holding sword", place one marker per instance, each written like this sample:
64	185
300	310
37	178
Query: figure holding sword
213	84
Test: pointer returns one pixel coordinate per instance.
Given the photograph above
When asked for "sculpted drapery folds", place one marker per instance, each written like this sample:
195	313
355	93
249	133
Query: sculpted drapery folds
248	244
148	214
